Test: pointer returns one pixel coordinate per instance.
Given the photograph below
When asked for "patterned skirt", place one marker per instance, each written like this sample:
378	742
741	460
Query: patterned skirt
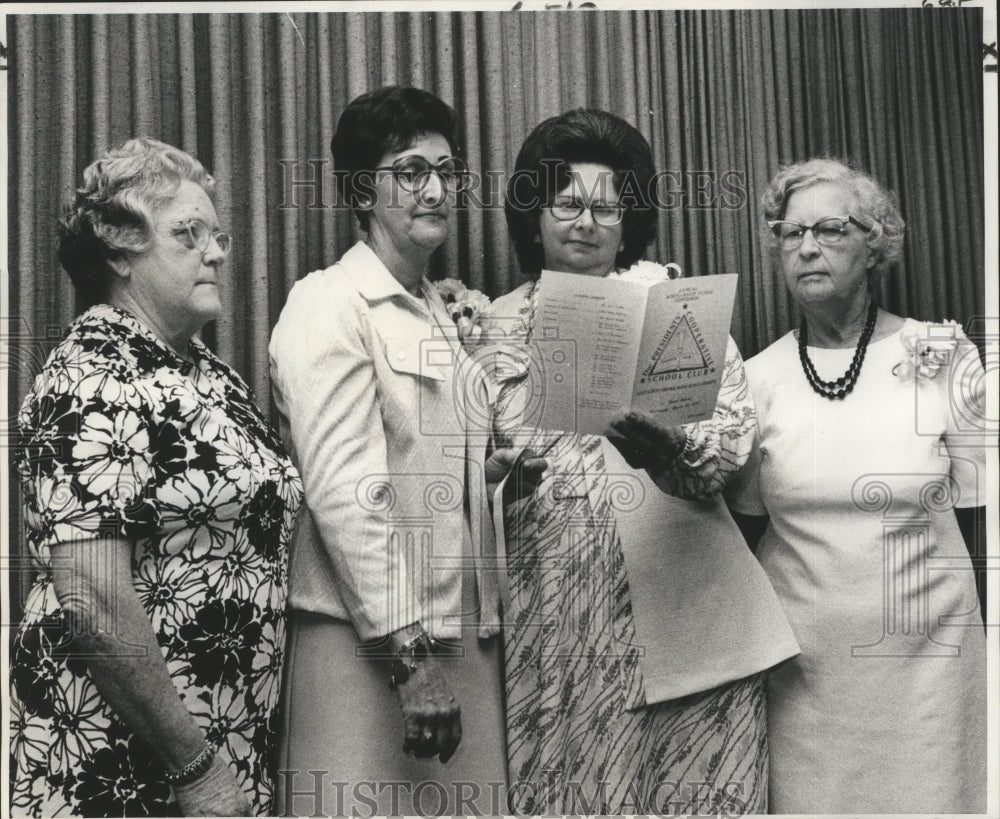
581	738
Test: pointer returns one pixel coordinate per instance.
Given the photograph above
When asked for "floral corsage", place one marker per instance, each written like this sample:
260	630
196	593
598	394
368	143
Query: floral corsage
466	307
929	347
646	271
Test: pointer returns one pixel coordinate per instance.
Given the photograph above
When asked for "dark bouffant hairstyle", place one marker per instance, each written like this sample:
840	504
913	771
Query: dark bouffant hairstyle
543	169
384	121
111	217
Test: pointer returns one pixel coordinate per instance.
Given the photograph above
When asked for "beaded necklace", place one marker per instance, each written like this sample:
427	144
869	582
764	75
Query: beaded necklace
839	388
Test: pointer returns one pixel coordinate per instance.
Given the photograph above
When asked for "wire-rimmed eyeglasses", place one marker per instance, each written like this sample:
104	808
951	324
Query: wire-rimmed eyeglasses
827	231
412	172
566	210
194	233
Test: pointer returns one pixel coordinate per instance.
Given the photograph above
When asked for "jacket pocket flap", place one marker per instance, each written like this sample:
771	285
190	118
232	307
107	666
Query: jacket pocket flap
432	359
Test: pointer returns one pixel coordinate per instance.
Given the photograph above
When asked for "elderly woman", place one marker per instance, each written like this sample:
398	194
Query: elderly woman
158	506
639	624
393	666
866	442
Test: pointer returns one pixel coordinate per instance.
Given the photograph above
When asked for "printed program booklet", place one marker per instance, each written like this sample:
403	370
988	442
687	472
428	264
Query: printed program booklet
603	346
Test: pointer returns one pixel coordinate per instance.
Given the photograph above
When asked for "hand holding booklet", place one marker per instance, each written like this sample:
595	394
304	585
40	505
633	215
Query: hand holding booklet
604	346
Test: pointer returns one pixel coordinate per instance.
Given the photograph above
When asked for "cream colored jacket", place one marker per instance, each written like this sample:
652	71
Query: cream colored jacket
387	420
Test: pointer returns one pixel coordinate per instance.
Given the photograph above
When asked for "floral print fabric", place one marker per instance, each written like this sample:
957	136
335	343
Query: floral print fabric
580	737
122	438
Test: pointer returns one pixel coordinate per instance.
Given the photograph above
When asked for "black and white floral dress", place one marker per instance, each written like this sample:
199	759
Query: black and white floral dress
123	438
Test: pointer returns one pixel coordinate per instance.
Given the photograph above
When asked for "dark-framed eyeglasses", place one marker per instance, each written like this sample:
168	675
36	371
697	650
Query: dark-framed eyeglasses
827	231
412	172
566	210
195	234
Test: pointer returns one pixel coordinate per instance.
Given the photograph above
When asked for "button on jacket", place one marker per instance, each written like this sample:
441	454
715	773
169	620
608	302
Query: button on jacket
387	420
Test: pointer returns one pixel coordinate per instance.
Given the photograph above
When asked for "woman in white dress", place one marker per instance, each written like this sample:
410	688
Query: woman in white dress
869	463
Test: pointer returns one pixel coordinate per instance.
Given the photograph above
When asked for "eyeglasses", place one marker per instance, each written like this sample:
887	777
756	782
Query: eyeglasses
826	231
194	233
566	210
412	172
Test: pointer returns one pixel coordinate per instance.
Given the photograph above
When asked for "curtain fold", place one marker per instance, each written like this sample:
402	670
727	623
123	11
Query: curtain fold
724	98
256	98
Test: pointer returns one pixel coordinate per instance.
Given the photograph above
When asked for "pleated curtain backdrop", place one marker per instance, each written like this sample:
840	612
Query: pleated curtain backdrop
724	97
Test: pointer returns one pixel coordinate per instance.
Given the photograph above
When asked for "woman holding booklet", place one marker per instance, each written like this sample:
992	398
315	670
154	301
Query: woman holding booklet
639	623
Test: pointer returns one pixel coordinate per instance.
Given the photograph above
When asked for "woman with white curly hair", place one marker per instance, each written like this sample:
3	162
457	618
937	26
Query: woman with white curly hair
159	506
867	469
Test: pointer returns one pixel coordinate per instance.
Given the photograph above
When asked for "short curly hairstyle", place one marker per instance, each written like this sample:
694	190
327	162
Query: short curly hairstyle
111	216
542	169
873	204
383	121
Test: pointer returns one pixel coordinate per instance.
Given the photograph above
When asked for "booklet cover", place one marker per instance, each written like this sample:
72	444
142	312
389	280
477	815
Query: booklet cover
603	346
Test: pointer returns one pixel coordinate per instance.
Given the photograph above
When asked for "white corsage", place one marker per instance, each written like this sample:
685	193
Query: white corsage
466	307
651	272
929	347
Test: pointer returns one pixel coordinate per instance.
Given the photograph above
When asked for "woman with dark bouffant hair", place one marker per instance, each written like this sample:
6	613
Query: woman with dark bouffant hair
545	166
639	626
393	685
159	505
